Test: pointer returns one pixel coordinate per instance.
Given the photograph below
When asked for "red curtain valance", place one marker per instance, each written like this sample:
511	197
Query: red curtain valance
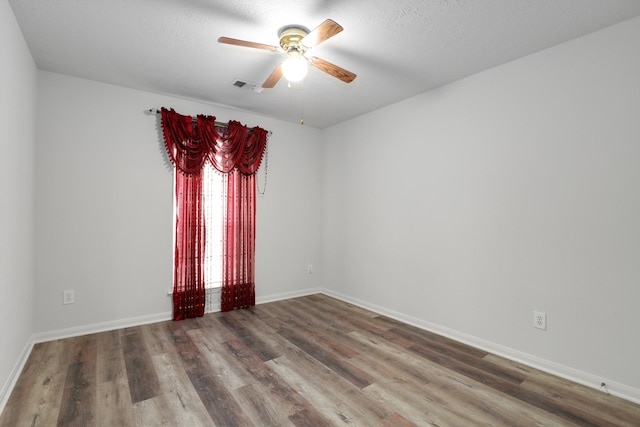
192	143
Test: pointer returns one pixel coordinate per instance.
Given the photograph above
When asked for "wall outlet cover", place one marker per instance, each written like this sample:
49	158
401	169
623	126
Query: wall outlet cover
539	320
68	297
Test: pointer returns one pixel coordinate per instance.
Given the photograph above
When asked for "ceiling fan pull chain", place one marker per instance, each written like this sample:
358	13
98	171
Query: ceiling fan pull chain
302	105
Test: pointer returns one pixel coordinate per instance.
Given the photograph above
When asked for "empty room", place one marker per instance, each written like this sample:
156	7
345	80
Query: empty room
320	213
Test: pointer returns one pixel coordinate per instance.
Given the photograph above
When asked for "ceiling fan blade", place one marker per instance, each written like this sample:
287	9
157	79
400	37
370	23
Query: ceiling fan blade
322	32
237	42
273	78
331	69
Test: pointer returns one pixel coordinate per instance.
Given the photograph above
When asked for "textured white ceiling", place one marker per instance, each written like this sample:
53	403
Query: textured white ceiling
398	48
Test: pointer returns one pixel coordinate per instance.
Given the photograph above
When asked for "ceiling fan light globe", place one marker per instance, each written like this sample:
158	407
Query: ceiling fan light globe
295	68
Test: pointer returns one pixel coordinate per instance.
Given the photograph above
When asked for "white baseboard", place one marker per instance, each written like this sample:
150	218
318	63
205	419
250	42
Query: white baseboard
100	327
142	320
287	295
7	388
621	390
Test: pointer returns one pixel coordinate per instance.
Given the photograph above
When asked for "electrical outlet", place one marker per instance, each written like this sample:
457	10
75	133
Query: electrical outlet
539	320
310	269
68	297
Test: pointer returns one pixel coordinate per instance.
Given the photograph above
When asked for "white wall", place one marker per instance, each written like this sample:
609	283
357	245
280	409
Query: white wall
104	206
17	140
517	189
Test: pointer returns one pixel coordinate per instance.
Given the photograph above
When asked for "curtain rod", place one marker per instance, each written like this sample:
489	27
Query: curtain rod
221	124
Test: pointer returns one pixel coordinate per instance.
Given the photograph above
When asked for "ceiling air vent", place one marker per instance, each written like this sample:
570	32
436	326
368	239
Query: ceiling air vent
242	84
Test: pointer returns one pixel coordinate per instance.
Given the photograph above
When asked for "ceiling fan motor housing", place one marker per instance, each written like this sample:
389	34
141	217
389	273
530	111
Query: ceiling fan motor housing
290	38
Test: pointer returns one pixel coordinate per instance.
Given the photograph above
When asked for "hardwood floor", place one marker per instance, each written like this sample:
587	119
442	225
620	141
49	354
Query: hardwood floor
310	361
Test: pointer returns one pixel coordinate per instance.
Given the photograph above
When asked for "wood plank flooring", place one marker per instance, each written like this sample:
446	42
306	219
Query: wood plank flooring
309	361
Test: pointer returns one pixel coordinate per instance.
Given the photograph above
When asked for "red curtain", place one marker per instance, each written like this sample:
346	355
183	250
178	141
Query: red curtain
237	152
188	278
238	268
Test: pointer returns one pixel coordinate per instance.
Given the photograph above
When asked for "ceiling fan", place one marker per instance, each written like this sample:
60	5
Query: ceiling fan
296	41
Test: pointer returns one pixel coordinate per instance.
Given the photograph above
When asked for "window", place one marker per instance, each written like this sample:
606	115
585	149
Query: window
213	198
213	204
